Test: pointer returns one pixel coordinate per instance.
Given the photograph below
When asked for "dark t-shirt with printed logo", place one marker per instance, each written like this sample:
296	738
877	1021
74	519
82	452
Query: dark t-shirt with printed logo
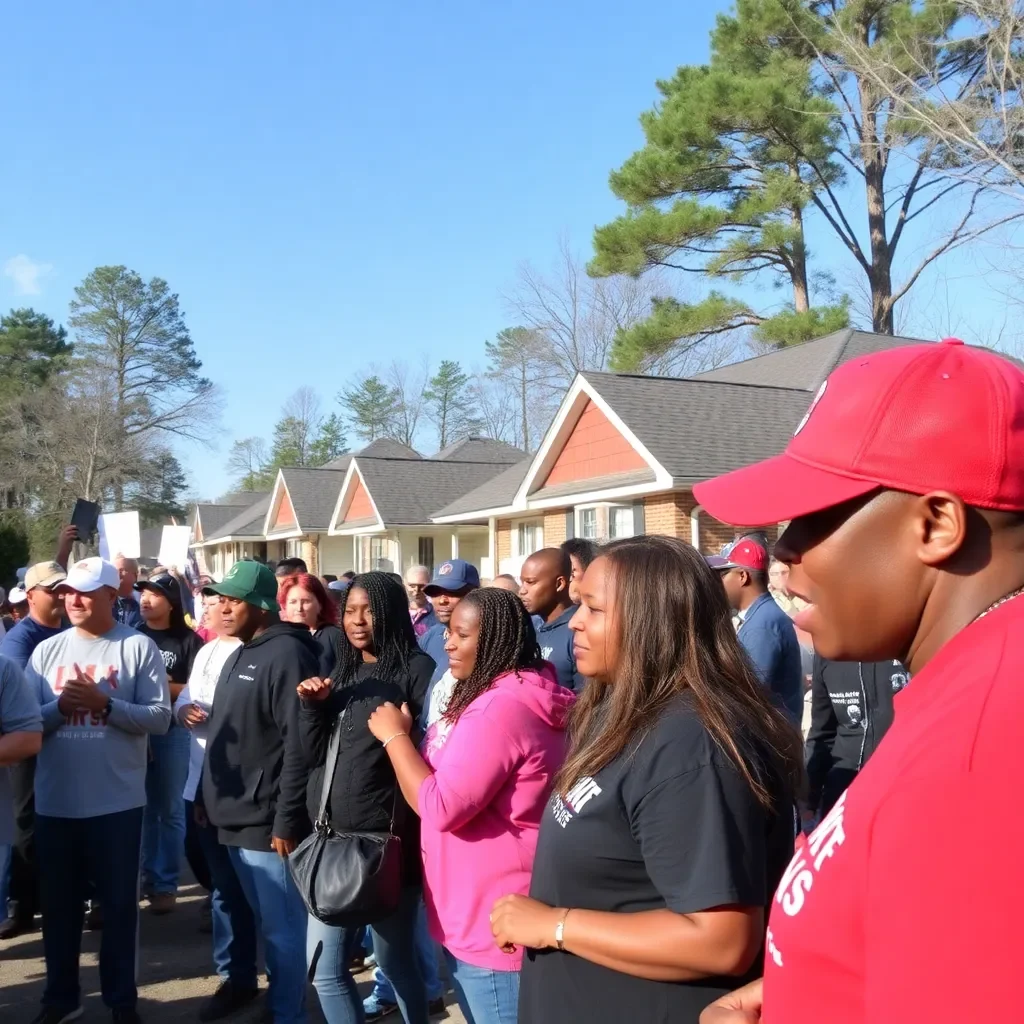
178	648
669	824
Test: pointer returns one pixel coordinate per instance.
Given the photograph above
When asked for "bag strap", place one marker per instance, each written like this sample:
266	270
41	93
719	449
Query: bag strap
323	818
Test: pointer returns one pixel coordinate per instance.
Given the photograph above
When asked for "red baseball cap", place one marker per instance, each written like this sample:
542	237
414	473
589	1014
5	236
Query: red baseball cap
916	419
744	554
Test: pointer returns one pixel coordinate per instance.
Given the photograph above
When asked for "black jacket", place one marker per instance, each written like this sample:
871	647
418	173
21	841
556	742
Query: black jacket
255	710
851	709
329	639
364	793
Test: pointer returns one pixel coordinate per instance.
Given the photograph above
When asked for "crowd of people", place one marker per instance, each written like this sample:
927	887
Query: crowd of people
593	778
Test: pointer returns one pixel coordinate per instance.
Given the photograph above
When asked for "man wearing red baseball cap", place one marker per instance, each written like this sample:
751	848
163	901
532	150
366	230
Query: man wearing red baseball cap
905	487
765	630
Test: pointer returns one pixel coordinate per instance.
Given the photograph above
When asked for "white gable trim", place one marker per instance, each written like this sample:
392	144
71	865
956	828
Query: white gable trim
471	517
280	489
562	427
336	528
602	494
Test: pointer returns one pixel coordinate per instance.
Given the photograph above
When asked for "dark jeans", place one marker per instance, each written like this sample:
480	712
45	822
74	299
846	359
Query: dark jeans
195	854
103	852
24	884
234	926
329	952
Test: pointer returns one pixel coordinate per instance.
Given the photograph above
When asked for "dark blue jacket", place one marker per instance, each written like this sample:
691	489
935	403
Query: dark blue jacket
432	642
769	638
24	638
555	639
126	611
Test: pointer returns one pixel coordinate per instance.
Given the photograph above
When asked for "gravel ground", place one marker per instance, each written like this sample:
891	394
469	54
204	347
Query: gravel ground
174	972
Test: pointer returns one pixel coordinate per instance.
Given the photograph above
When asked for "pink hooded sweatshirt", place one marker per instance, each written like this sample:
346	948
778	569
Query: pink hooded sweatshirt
493	772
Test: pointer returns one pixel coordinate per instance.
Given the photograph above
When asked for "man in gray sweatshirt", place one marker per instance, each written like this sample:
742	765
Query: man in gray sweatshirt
103	691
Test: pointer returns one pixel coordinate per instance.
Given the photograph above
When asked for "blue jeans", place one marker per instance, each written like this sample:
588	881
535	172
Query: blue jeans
74	854
426	957
485	996
163	828
278	907
330	951
5	867
234	925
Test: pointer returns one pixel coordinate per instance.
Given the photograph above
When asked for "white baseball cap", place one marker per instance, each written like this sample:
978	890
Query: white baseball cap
17	595
91	574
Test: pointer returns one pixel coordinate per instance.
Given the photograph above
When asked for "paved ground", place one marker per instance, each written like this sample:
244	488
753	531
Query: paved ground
174	972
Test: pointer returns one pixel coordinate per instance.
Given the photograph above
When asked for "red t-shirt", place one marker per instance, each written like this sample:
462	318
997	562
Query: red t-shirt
906	904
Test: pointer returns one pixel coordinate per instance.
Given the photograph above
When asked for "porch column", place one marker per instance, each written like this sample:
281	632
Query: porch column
695	526
492	544
455	543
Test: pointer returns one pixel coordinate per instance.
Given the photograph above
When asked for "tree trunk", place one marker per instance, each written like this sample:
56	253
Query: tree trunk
880	276
801	293
522	396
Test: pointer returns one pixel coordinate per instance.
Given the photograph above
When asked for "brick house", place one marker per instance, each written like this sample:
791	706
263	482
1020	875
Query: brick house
624	451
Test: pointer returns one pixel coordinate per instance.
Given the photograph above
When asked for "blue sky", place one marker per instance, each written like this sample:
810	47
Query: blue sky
323	186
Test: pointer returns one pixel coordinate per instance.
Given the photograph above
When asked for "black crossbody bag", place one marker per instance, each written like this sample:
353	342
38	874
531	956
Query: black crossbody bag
347	879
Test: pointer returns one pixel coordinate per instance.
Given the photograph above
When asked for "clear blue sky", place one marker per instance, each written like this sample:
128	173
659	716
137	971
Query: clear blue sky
323	186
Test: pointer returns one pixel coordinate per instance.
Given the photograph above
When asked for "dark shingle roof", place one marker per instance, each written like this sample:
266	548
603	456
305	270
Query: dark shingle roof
408	492
494	493
698	429
213	515
247	523
805	366
314	493
388	448
481	449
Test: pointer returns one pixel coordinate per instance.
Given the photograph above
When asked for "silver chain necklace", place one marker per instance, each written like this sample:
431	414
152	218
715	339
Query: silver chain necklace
992	607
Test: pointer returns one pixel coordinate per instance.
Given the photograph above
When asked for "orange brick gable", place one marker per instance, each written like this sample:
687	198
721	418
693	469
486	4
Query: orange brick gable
285	513
360	507
593	449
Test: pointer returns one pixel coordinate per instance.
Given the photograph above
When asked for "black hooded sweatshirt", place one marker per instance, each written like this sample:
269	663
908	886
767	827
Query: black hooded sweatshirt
851	710
255	709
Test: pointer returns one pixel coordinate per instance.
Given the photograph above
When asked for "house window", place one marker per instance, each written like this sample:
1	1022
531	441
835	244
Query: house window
588	523
527	537
425	552
373	553
604	521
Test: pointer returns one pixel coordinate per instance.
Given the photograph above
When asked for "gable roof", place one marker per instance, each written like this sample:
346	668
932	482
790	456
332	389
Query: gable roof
388	448
697	429
212	515
312	493
482	449
498	492
407	492
805	366
247	523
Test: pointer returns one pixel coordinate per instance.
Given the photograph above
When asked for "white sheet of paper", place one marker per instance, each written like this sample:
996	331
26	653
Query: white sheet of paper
119	535
174	547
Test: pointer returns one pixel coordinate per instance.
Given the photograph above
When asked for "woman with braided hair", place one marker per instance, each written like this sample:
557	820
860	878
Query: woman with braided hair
480	785
378	662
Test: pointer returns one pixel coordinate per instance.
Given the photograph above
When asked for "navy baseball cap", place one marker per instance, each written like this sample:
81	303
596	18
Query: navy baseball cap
452	576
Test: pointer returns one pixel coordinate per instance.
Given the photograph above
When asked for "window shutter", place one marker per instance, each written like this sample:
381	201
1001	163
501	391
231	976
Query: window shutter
639	524
570	524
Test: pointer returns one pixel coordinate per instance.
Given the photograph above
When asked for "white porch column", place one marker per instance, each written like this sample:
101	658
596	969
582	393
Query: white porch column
695	526
455	542
492	544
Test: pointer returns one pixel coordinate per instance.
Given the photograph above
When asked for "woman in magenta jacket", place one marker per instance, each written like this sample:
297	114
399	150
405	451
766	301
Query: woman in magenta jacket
480	784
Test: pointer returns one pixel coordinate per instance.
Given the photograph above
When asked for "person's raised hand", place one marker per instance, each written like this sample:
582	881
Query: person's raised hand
740	1007
191	715
314	689
388	721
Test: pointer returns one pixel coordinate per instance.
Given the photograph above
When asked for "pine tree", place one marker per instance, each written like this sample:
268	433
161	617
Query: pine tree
371	407
449	404
330	443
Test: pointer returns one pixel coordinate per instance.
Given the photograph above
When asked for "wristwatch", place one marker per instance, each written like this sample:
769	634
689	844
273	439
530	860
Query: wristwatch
109	707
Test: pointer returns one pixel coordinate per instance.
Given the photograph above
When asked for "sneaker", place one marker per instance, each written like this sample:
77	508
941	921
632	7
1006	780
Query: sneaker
127	1015
162	903
55	1015
94	917
436	1007
226	1000
377	1009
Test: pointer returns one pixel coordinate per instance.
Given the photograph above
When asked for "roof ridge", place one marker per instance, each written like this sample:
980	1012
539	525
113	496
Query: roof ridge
711	383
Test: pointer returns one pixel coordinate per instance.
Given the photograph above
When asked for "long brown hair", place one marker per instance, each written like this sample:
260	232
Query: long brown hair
675	634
